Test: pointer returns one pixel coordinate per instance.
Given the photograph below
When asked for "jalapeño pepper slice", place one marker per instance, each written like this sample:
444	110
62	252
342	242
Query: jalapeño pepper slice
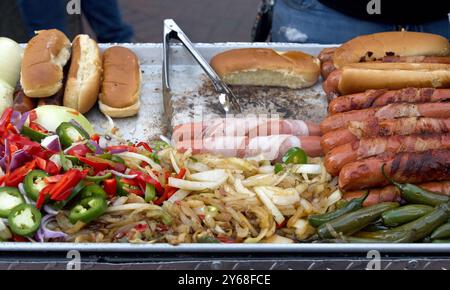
295	155
88	210
24	220
34	183
93	191
10	197
35	136
69	134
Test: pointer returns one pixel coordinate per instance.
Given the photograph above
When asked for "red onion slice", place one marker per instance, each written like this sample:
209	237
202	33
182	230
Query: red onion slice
98	149
19	158
52	143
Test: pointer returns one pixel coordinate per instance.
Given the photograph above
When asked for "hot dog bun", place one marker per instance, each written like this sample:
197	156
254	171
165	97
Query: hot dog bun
43	61
83	83
121	85
400	43
266	67
360	77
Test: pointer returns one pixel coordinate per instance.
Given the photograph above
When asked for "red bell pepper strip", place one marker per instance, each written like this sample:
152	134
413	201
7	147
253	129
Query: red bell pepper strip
43	195
95	138
79	150
5	119
169	190
61	190
145	145
17	176
110	187
97	164
147	179
120	148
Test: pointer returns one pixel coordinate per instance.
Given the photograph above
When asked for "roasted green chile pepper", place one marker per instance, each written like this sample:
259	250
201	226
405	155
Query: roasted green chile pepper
34	183
32	134
69	134
88	210
405	214
93	190
417	195
24	220
320	219
352	222
295	155
442	232
10	197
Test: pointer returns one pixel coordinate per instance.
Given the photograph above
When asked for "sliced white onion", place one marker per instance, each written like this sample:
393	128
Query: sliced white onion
241	188
266	169
277	239
260	180
167	140
195	186
133	155
197	166
309	169
126	176
277	215
334	197
130	206
210	175
174	162
284	197
179	195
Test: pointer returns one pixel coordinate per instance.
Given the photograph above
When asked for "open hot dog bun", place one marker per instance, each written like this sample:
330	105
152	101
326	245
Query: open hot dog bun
266	67
83	83
398	43
44	59
360	77
121	85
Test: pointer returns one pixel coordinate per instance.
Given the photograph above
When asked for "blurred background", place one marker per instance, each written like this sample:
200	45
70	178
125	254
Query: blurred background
202	20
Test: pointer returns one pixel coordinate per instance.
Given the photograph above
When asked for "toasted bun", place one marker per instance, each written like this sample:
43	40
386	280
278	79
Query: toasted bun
266	67
360	77
121	85
83	82
401	43
44	59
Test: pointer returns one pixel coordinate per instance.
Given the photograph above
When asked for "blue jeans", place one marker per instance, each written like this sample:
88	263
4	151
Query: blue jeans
310	21
103	16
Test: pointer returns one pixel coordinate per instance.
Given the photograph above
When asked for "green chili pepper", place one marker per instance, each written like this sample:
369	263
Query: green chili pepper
150	193
66	164
159	145
320	219
442	232
418	229
88	210
32	134
106	156
278	168
352	222
93	191
34	183
69	134
99	178
375	226
414	194
441	241
10	197
121	187
117	159
73	159
24	220
341	203
295	155
405	214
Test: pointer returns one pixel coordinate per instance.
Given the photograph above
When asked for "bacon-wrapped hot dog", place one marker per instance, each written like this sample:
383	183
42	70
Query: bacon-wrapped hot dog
417	167
375	127
379	98
338	157
391	111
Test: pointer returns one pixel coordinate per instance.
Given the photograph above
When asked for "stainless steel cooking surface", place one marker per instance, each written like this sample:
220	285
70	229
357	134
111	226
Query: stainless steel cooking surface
191	90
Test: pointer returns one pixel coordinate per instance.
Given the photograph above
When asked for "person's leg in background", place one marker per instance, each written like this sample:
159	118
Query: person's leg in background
43	14
106	20
310	21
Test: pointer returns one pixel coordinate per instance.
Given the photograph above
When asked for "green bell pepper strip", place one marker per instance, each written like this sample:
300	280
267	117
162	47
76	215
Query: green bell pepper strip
295	155
278	168
88	210
150	193
10	197
320	219
117	159
69	134
99	178
32	134
93	191
34	183
24	220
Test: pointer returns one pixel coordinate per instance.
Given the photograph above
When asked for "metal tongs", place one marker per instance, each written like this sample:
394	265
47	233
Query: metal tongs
226	97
